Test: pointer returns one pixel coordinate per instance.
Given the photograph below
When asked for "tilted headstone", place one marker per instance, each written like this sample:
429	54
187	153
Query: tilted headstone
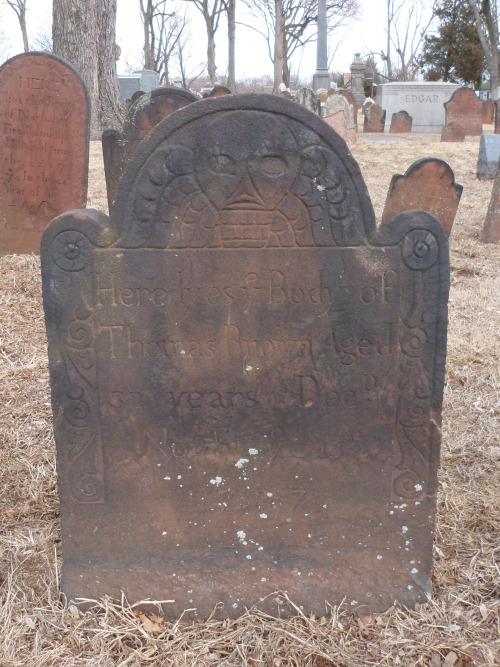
489	153
491	229
246	374
339	115
453	132
429	185
401	123
143	115
306	97
44	147
352	100
488	109
374	118
465	108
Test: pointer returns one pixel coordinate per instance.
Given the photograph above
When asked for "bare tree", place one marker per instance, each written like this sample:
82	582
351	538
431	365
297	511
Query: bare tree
19	7
230	9
189	73
288	25
486	22
83	33
211	11
408	21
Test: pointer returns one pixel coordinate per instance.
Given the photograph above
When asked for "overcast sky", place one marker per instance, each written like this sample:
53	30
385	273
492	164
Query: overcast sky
364	34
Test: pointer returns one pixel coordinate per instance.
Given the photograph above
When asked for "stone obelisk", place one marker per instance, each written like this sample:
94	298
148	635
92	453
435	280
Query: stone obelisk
322	76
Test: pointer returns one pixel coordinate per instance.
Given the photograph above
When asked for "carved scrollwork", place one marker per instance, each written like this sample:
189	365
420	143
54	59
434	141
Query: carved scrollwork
420	249
72	250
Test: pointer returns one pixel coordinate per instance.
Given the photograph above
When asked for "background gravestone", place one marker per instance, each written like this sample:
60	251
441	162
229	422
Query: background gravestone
351	99
489	153
453	132
44	147
488	110
466	109
491	228
146	112
374	118
428	184
401	123
339	115
246	375
306	97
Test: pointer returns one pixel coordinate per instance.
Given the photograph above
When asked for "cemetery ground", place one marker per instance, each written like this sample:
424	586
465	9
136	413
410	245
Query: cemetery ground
459	626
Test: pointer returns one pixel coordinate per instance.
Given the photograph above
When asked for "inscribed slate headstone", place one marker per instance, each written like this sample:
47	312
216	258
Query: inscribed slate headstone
374	118
453	132
401	123
306	97
429	185
44	147
339	115
491	229
465	108
246	374
489	153
488	109
143	115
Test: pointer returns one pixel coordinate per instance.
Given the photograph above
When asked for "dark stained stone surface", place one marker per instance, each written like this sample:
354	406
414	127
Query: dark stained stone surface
453	132
374	118
246	375
146	112
489	154
429	184
401	123
465	108
44	147
219	91
488	108
491	229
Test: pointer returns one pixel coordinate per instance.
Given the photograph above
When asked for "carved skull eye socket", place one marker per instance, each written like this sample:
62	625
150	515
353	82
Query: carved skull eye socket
222	164
273	165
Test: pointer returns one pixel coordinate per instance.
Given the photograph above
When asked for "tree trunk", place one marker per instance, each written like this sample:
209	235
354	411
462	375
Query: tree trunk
491	27
22	23
231	31
147	19
389	25
210	47
83	33
279	38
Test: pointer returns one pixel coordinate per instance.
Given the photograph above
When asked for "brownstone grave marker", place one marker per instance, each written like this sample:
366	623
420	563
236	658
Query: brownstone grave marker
428	184
453	132
374	118
44	147
488	109
246	375
143	115
465	108
401	123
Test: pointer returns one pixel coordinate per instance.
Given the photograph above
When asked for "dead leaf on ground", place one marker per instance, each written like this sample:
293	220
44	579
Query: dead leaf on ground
152	624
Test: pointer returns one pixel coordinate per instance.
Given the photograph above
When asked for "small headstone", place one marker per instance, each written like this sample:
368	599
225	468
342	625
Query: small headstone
306	97
489	153
429	185
352	100
143	115
488	109
44	147
453	132
246	373
374	118
401	123
466	109
339	115
219	91
491	229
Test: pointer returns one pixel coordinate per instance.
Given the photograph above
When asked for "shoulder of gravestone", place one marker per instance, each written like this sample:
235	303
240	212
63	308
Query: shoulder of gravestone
111	137
75	232
403	226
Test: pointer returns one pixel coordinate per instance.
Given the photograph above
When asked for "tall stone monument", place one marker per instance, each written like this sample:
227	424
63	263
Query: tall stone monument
321	79
246	375
358	69
44	147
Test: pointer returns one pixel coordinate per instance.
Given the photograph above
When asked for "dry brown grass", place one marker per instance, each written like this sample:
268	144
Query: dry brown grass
460	626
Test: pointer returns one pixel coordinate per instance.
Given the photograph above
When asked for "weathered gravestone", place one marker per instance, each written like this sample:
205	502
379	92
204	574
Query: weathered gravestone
374	118
453	132
144	114
465	108
491	229
401	123
488	110
44	147
246	376
351	99
219	91
489	154
306	97
339	115
428	184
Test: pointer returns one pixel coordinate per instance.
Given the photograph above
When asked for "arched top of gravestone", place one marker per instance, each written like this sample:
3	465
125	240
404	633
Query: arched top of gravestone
242	171
465	97
335	103
349	97
149	108
219	91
